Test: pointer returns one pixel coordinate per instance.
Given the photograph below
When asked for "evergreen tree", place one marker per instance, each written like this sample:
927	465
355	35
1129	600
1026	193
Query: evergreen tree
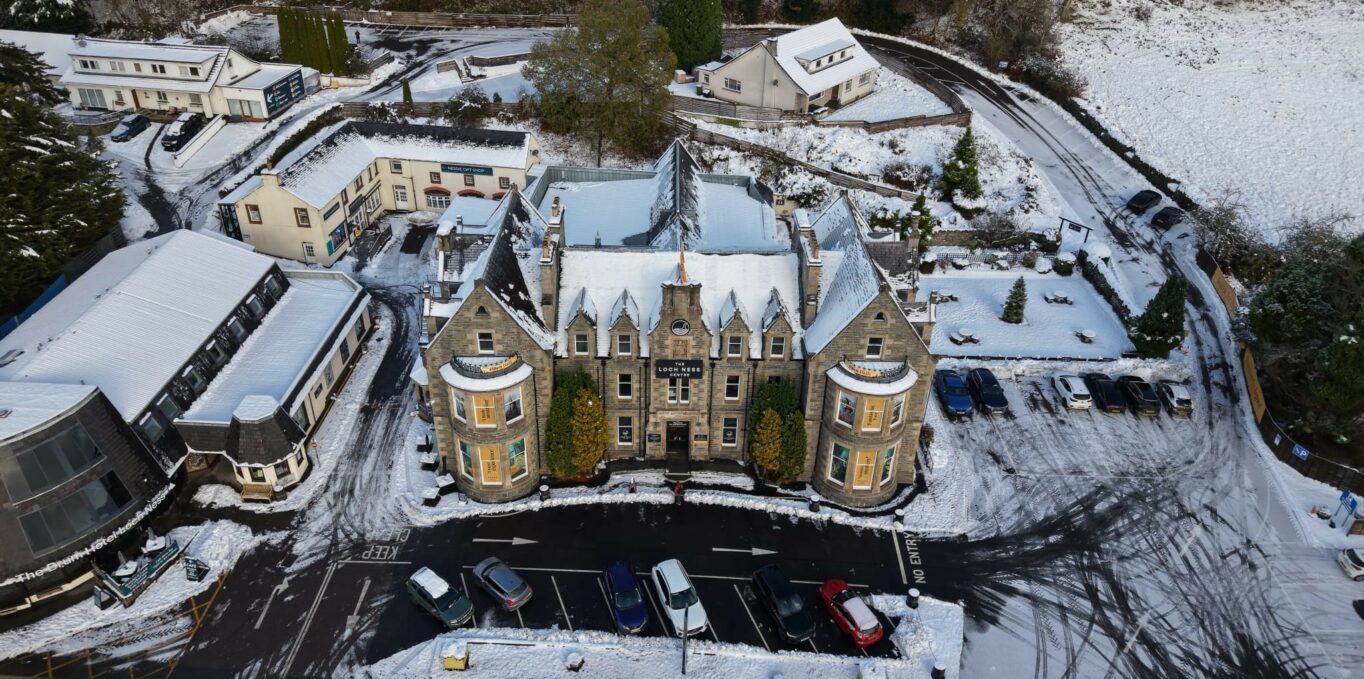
779	396
767	443
27	72
60	199
468	107
53	16
338	45
317	44
1018	299
284	25
924	222
606	80
1161	327
749	10
960	175
407	92
800	11
694	30
882	16
792	447
590	435
1339	384
559	448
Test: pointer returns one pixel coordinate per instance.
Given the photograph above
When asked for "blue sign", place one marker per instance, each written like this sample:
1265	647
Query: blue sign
1299	452
466	169
1344	495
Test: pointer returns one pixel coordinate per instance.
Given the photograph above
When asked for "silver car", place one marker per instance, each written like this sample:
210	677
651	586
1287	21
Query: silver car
503	583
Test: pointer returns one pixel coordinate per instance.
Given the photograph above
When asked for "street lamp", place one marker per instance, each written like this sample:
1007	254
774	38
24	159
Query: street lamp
685	629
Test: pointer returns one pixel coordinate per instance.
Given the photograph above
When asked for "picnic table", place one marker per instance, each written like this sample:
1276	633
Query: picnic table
1057	297
964	336
1086	335
429	460
446	484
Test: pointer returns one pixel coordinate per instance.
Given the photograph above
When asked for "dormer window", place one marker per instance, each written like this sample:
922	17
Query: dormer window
736	346
778	347
624	345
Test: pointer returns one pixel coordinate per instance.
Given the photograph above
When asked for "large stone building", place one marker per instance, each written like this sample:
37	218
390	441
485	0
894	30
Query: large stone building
679	291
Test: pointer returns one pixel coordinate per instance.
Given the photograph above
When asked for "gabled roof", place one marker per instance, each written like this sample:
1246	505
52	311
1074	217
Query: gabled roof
850	279
813	42
148	51
583	305
626	308
775	309
733	308
54	48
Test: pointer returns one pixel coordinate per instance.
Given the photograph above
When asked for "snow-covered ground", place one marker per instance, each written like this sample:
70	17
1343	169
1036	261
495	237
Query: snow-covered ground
504	81
1262	102
1048	330
895	97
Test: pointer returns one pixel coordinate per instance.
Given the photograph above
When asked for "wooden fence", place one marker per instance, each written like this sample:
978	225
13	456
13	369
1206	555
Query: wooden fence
360	110
423	19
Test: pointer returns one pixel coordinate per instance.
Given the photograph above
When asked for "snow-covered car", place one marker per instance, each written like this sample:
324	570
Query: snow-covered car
1142	201
447	603
1176	398
179	133
678	597
1141	396
131	126
850	613
1073	392
503	583
1352	561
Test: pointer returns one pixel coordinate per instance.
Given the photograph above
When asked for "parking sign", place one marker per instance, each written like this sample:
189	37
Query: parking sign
1299	452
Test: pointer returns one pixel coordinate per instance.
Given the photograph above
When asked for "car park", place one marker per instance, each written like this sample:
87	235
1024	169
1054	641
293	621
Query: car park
447	603
628	608
1105	392
784	604
1141	396
985	390
131	126
503	583
850	613
1073	392
1176	399
179	132
1142	201
1168	217
1352	562
678	598
952	393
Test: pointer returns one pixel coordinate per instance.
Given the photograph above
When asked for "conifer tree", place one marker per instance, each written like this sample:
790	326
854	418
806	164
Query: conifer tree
589	431
1161	327
559	448
337	43
407	92
1340	381
792	447
749	10
694	30
1018	299
767	443
27	72
960	175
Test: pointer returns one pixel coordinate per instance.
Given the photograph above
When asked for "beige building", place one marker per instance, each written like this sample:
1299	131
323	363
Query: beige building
320	197
816	66
680	293
119	75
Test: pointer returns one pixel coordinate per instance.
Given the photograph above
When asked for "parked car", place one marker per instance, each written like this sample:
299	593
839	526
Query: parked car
179	133
1143	200
503	583
952	393
678	598
628	608
782	601
1176	398
850	613
985	389
1352	560
1073	392
131	126
1141	396
1105	392
1168	217
1359	608
448	603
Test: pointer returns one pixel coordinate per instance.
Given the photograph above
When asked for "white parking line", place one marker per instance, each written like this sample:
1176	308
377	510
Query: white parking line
899	560
548	570
518	617
820	582
662	622
567	620
751	619
473	620
607	599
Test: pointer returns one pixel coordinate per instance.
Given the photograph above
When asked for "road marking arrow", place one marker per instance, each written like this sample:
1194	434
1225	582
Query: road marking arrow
279	589
755	551
354	617
512	541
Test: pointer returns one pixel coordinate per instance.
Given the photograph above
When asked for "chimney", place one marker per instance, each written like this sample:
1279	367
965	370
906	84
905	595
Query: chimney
549	279
459	223
811	267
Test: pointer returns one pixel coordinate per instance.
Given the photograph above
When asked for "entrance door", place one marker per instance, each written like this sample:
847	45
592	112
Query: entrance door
863	468
400	197
678	435
309	253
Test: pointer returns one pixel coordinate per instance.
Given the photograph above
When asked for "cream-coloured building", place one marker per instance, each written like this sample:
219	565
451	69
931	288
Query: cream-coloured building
320	197
120	75
816	66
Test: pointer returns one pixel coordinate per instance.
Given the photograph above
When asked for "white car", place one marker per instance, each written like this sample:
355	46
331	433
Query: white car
678	598
1074	392
1352	560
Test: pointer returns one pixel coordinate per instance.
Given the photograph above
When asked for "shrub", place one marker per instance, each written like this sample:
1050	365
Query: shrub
1100	282
590	435
559	443
767	442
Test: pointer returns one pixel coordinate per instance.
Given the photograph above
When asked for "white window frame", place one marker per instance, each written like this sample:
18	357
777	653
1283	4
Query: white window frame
525	456
897	410
879	343
679	390
625	345
395	166
847	463
508	398
625	386
778	347
625	423
838	408
732	382
466	459
734	85
582	345
887	472
488	336
729	423
736	345
459	407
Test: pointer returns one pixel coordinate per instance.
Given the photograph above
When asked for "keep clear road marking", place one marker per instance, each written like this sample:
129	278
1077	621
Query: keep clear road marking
567	620
473	619
279	589
751	619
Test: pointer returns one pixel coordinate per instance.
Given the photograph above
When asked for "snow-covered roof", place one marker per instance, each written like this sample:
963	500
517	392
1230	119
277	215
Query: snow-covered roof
318	174
495	382
625	307
474	211
814	42
732	308
418	373
128	82
31	404
876	378
149	51
268	75
54	48
603	275
850	279
130	322
243	190
278	354
255	408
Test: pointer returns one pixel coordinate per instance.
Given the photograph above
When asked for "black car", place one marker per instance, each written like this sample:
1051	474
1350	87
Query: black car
986	391
1141	395
1168	217
1143	200
179	133
781	600
1107	396
131	126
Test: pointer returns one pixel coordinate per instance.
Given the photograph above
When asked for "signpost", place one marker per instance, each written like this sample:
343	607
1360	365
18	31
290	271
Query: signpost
1299	452
1348	504
681	368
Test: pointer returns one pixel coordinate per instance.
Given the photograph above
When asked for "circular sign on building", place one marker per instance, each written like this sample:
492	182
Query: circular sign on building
681	327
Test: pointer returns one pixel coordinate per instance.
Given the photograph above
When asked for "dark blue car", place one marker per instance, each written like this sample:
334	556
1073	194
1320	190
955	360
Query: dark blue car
131	126
952	393
985	388
627	601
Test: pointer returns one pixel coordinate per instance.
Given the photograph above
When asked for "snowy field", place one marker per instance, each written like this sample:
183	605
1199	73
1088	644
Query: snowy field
1262	102
895	97
504	81
1048	330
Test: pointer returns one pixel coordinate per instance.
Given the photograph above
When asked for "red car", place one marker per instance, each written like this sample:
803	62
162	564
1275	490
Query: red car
852	614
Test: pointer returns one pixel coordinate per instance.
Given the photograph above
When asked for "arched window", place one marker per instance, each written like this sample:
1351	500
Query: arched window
474	193
437	197
880	317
